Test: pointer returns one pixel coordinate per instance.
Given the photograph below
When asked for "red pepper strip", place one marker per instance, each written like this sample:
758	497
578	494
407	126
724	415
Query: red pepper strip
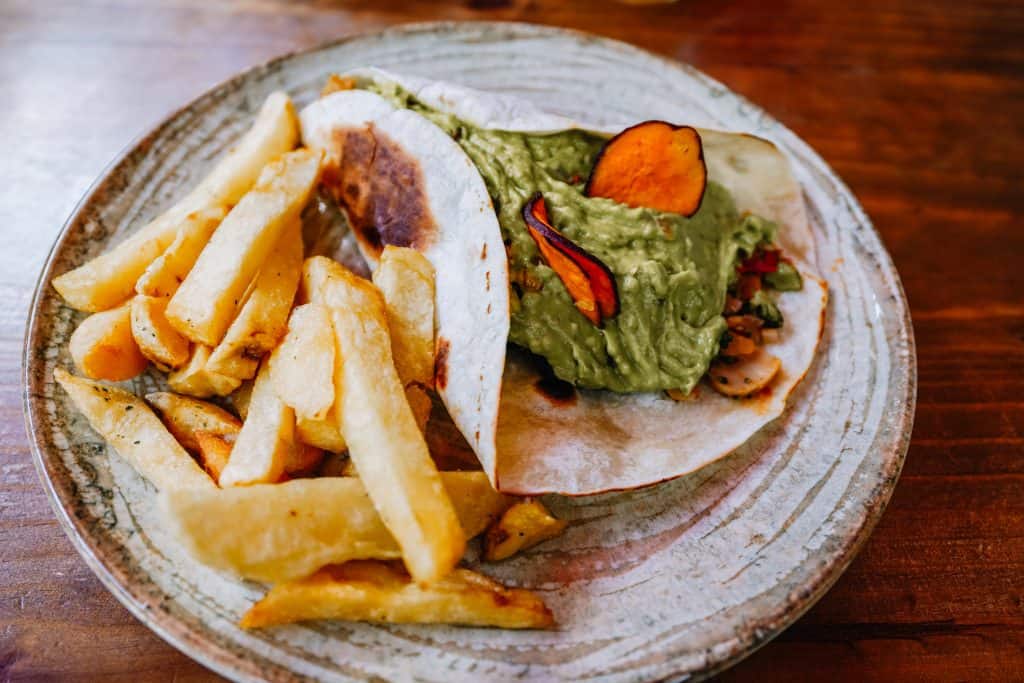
763	261
590	283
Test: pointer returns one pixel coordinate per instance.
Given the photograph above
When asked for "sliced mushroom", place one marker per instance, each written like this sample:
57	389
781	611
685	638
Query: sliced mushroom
746	376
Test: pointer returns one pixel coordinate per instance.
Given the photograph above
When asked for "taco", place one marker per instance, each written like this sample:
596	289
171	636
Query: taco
615	307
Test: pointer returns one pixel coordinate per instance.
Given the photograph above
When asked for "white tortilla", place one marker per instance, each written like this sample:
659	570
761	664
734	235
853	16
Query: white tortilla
468	255
605	441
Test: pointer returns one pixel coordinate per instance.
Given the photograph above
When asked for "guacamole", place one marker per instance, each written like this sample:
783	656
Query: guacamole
672	272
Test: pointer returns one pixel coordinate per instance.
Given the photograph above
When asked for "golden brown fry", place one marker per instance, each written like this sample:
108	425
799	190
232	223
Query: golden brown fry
320	433
383	440
523	525
368	590
127	424
302	459
206	302
420	403
286	531
334	465
302	366
263	320
214	452
166	273
157	340
406	279
103	347
241	397
267	435
109	279
184	416
195	379
336	83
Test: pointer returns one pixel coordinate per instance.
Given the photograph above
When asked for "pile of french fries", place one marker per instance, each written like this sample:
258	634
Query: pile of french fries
318	479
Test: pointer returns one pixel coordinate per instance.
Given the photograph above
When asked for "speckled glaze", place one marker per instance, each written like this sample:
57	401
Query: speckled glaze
676	581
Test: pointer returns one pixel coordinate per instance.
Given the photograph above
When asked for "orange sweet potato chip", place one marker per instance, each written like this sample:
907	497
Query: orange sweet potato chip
652	164
589	281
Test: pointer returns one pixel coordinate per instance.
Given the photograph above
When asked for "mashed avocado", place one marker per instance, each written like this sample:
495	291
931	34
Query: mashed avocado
672	272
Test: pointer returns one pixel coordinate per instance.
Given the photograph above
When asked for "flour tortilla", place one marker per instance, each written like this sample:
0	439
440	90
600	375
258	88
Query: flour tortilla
602	441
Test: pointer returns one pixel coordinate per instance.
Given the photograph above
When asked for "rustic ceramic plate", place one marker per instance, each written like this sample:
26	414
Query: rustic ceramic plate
677	580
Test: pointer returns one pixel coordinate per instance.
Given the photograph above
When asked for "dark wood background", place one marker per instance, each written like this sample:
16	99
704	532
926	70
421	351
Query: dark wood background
919	105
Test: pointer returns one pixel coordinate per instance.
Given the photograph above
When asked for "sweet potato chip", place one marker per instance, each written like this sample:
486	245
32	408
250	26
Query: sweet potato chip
589	282
652	164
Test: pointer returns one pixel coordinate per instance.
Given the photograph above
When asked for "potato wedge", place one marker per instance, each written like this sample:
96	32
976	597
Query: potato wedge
157	340
206	302
184	416
103	346
523	525
163	276
262	447
406	279
195	379
286	531
138	436
109	279
302	366
368	590
320	433
214	452
263	319
383	440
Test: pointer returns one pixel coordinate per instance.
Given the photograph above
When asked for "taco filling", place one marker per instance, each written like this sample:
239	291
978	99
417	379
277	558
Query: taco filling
688	289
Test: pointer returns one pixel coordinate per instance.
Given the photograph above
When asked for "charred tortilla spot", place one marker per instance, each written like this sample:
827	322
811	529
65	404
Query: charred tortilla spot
441	363
381	189
483	253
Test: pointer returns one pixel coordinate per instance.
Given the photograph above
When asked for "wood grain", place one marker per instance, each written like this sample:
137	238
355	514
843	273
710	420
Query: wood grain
918	106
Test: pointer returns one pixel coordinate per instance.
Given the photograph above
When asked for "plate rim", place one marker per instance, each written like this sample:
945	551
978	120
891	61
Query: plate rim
237	667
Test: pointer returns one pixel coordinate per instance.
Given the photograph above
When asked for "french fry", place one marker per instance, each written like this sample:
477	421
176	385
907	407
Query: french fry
406	279
262	447
420	403
383	440
103	347
263	319
157	340
214	452
286	531
522	526
336	83
320	433
127	424
109	279
241	397
301	365
206	302
333	465
302	459
376	591
195	379
184	416
163	276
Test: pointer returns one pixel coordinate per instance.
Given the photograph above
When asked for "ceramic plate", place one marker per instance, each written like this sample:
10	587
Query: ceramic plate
680	579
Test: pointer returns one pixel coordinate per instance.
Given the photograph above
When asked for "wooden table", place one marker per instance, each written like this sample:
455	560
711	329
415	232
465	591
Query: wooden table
918	105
